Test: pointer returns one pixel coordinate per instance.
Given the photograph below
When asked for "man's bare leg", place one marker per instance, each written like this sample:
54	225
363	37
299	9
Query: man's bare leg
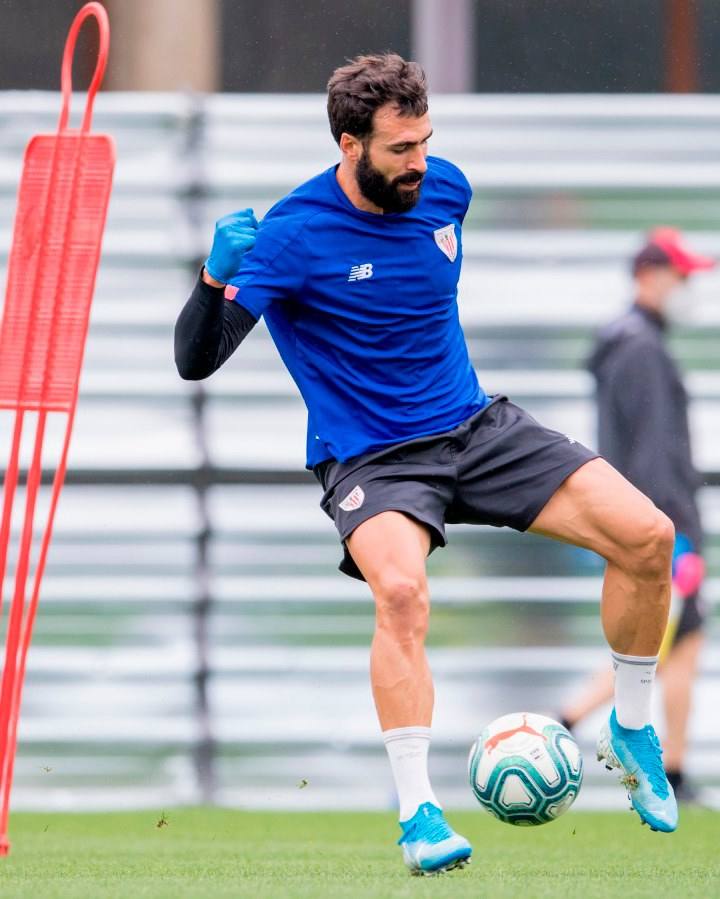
597	692
598	509
678	675
390	550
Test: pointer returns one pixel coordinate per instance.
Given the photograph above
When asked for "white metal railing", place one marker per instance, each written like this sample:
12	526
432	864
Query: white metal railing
169	609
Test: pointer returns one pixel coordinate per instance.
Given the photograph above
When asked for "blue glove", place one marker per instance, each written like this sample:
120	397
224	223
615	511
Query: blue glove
234	235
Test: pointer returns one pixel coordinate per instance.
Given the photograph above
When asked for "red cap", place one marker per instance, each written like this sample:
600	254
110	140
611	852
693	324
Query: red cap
669	240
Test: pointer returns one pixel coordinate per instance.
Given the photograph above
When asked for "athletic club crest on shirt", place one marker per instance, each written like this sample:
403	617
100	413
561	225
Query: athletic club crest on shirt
353	500
446	240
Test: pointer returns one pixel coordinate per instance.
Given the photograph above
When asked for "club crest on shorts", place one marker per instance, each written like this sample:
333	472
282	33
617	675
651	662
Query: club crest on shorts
353	500
446	240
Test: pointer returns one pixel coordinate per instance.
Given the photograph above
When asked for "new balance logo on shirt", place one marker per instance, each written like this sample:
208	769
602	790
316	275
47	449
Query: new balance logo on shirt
360	272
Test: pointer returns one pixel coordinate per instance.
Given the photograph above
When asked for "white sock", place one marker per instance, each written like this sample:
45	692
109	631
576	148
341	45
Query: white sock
408	748
634	678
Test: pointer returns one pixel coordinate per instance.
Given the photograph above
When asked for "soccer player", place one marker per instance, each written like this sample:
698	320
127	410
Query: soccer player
356	274
643	431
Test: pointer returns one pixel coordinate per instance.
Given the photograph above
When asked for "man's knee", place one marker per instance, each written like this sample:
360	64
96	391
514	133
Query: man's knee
648	554
403	606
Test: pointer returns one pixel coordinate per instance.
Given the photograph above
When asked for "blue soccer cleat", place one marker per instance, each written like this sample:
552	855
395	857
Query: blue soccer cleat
430	845
638	754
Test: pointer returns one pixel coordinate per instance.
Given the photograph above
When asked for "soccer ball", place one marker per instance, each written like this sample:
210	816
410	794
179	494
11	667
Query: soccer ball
525	769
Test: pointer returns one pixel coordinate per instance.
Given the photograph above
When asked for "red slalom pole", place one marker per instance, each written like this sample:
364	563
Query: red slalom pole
60	219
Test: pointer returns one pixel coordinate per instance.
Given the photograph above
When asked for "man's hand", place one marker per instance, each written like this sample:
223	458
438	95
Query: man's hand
234	236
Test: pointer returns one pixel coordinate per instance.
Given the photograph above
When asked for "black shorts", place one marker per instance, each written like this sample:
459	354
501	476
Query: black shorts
500	467
692	617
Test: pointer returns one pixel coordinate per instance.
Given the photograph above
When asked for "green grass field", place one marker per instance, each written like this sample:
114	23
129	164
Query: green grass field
209	852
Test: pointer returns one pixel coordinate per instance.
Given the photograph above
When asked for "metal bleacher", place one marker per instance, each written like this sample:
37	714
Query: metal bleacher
195	641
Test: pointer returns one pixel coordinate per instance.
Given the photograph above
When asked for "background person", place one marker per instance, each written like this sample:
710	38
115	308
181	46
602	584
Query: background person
643	431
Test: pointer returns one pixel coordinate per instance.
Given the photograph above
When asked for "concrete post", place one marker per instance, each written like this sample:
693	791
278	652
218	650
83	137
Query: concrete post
164	45
443	42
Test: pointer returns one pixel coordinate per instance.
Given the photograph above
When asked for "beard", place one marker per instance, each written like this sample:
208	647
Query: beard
388	195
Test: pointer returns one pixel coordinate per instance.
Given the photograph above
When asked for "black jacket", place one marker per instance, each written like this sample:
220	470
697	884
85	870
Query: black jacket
643	416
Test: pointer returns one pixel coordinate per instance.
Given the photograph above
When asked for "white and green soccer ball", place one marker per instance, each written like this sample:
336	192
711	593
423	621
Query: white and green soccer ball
525	769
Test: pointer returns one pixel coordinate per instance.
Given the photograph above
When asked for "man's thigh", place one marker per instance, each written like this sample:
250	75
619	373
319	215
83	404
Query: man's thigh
597	508
388	546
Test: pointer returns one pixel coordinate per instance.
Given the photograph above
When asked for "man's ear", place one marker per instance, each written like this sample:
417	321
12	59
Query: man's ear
350	146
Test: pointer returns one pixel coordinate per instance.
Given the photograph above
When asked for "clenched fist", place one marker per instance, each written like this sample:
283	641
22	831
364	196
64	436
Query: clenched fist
234	236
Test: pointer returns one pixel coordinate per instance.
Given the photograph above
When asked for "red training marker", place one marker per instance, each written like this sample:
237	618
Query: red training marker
62	205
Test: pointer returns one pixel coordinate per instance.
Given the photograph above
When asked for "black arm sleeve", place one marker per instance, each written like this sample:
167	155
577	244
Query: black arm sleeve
208	331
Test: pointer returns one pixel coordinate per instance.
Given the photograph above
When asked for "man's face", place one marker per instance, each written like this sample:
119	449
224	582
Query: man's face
660	283
392	164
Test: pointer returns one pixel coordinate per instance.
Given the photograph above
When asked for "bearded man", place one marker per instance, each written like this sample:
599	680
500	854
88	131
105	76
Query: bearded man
356	274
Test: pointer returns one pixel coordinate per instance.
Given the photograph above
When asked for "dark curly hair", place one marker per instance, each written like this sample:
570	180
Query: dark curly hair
365	84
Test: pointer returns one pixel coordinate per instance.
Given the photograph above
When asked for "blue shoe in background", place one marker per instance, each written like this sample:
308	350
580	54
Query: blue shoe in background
430	845
639	755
